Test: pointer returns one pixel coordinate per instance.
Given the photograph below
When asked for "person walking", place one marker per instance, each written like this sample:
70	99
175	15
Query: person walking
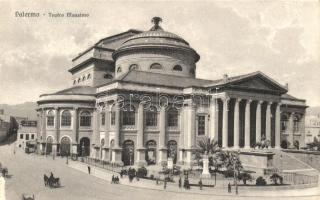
165	184
229	188
200	184
180	182
89	169
112	179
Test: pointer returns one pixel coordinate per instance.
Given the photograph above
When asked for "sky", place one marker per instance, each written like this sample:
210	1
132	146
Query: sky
279	38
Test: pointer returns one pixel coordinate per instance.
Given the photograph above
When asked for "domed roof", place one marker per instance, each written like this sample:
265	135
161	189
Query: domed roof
156	37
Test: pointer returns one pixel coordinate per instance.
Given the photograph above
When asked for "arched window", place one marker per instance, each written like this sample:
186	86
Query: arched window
155	66
108	76
151	116
119	70
85	118
177	68
173	117
66	118
79	79
296	124
128	115
192	71
133	66
284	122
50	118
83	78
102	142
88	76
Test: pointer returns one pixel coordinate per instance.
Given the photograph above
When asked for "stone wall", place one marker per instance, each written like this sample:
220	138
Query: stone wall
311	158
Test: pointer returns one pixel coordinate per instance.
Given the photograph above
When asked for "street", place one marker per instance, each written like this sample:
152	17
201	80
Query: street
27	172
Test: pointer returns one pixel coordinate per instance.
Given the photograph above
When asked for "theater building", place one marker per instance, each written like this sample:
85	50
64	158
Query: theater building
135	99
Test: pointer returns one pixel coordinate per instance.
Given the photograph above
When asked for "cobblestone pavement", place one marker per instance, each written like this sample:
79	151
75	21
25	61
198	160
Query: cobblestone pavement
27	177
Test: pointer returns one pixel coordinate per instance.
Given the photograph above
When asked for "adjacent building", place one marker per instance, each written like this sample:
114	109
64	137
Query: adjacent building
27	132
312	128
135	99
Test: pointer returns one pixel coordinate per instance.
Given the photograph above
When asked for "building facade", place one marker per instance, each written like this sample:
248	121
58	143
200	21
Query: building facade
135	99
312	128
27	131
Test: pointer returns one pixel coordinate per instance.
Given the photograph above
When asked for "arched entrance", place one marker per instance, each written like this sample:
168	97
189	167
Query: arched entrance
65	146
172	150
151	155
49	145
128	152
84	149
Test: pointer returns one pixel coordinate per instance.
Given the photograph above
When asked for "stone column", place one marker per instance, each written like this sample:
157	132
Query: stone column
181	137
213	119
44	130
56	130
96	135
140	160
162	137
116	150
191	133
277	127
75	137
236	125
225	123
268	122
106	148
258	122
289	130
247	125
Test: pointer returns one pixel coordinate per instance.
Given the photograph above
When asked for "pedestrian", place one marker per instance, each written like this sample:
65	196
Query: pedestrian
200	184
165	184
89	169
112	179
157	181
229	188
180	182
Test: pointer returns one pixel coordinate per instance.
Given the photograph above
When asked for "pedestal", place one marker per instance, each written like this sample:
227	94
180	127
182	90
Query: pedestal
180	158
116	156
105	154
162	157
188	159
205	168
141	157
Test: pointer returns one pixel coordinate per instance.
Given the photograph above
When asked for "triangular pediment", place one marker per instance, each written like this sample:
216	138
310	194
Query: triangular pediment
258	81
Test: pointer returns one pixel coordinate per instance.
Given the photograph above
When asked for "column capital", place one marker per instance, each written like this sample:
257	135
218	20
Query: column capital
248	101
259	102
56	108
238	100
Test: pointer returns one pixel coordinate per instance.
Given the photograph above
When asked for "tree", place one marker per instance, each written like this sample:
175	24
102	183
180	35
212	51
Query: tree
245	176
211	148
275	177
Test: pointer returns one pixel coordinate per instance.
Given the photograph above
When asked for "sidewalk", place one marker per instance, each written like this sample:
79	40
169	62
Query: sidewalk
2	188
217	191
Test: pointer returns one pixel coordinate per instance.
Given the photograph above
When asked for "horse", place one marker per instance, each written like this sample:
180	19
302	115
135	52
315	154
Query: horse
46	180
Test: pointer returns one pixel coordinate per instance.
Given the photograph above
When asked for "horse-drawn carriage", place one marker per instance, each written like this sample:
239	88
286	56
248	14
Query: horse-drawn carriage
51	181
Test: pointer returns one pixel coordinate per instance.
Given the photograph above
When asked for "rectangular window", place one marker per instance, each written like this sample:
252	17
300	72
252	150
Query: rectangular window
113	118
66	121
27	136
21	136
85	120
201	125
103	118
32	136
50	121
128	118
172	119
151	119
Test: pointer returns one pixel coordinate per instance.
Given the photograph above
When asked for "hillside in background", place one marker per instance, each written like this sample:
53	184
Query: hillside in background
27	109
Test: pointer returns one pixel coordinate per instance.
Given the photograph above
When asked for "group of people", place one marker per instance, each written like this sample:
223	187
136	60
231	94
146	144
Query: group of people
115	180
